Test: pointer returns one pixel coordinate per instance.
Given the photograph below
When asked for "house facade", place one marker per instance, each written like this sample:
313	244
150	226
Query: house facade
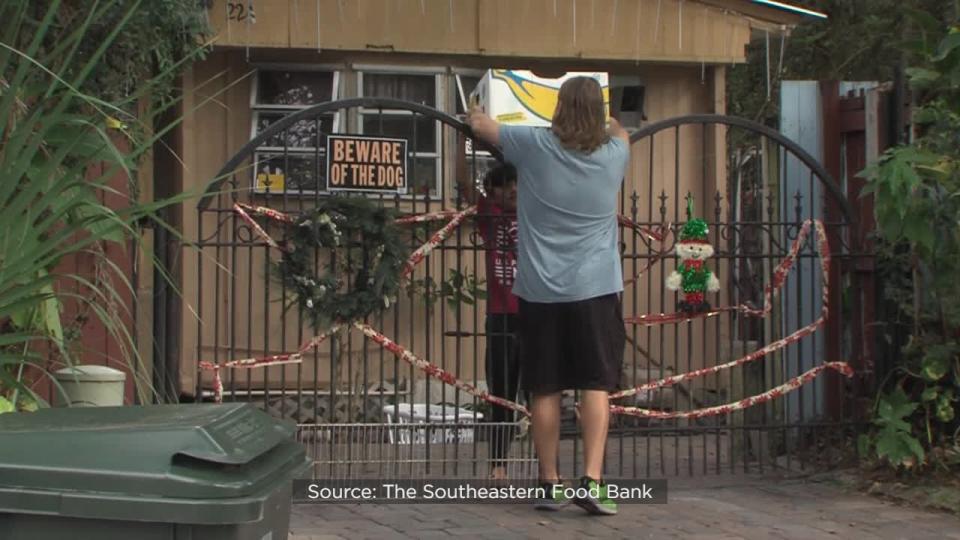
271	58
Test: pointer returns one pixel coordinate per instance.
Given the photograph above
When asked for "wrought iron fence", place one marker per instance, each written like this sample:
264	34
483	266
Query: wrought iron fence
755	189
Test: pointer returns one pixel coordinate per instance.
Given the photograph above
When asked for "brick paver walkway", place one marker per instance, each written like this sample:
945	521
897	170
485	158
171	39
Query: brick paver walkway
747	509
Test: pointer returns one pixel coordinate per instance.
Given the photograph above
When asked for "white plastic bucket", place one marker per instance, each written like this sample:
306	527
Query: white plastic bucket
89	386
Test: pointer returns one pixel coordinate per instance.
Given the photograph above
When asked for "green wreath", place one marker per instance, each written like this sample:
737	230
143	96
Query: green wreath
358	244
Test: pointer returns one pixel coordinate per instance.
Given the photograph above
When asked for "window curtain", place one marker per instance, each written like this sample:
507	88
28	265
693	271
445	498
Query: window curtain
415	88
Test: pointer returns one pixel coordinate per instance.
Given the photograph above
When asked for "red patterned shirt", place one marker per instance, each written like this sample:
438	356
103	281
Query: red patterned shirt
499	232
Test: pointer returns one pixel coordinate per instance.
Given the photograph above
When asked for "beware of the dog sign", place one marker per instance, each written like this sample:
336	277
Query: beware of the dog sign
356	163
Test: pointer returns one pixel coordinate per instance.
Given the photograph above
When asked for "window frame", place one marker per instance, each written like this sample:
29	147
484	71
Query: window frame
456	73
258	109
462	98
437	193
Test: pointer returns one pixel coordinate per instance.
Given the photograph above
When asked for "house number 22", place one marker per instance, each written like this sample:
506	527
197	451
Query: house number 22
240	11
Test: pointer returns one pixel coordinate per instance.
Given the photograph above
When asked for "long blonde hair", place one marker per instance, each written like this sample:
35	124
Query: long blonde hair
579	120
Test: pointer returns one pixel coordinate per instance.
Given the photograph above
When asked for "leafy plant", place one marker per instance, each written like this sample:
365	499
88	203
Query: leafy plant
483	407
62	139
367	259
461	288
458	288
916	190
894	441
150	47
861	40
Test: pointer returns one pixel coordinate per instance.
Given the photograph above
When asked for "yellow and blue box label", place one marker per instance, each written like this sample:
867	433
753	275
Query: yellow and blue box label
521	98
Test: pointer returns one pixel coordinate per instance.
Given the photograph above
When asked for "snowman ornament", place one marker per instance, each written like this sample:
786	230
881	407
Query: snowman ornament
692	277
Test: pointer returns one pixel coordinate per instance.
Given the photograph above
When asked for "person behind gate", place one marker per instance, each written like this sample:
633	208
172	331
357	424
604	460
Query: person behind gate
497	225
569	279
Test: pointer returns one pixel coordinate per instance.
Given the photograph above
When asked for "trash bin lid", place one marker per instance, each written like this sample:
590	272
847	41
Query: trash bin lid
90	374
178	451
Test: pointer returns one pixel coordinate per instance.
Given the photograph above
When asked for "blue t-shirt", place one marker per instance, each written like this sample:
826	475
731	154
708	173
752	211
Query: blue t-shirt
566	216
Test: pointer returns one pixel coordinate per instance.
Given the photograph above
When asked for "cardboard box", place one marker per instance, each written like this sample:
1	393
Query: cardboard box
523	99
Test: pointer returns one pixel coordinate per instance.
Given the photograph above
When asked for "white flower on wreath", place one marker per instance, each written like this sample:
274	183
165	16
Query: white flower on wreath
306	282
309	303
324	219
376	261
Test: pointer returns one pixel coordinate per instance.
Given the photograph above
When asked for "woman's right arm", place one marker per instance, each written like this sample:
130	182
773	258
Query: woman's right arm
484	127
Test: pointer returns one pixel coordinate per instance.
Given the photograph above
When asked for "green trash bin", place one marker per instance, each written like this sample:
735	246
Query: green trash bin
210	472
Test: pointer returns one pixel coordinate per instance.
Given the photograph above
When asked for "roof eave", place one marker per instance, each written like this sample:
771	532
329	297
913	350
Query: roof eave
764	14
803	12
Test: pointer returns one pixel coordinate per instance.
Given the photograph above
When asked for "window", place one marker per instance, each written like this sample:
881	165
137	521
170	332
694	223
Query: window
291	161
465	85
480	162
422	133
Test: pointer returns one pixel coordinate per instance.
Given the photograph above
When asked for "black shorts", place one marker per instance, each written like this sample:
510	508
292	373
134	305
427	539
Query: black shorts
571	345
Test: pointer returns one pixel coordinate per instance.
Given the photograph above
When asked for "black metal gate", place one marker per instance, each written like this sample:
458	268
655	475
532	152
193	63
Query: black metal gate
339	392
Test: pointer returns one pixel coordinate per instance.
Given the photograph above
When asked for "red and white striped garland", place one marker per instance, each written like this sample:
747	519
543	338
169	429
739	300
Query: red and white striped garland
657	236
424	218
771	394
246	363
241	211
448	378
433	370
780	273
779	278
293	358
437	239
315	341
267	361
456	217
759	353
275	215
